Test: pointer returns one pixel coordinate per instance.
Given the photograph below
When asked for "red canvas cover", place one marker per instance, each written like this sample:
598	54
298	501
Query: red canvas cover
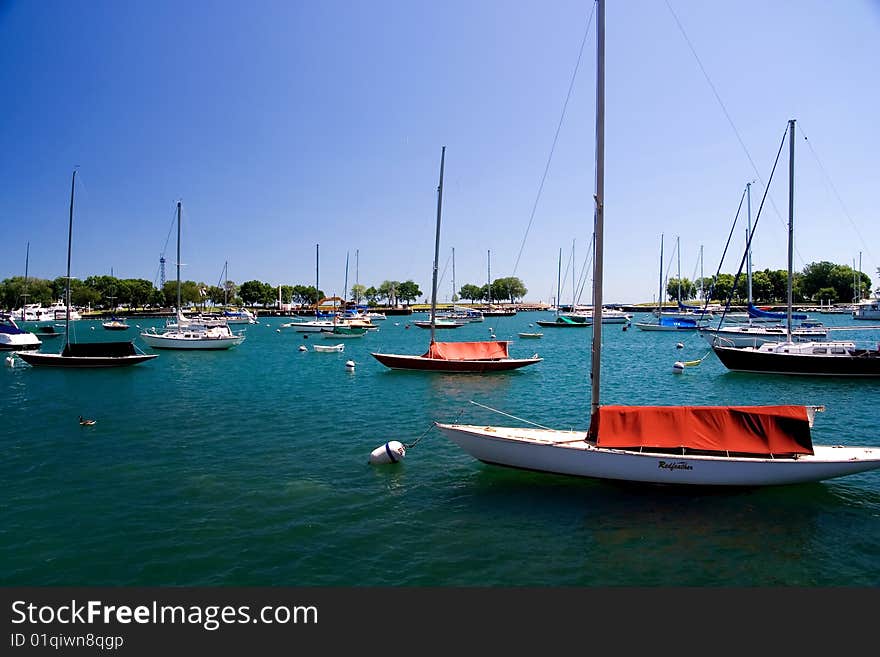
746	429
491	350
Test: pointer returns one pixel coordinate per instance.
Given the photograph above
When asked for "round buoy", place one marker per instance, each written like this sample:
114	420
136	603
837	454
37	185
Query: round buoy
625	326
407	326
349	364
491	330
391	452
492	337
397	323
305	336
678	367
278	330
302	347
93	328
680	345
530	325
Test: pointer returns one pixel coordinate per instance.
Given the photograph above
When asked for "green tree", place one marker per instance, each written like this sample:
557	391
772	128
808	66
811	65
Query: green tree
688	290
372	295
511	288
358	292
388	291
471	292
408	291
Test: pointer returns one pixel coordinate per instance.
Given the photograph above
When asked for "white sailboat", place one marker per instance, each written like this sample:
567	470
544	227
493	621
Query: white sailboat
693	445
192	334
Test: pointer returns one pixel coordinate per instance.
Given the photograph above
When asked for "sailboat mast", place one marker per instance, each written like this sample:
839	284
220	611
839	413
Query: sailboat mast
317	286
599	219
573	284
69	241
179	309
558	281
749	238
660	290
453	274
437	246
25	295
489	274
357	280
790	223
345	286
678	256
226	283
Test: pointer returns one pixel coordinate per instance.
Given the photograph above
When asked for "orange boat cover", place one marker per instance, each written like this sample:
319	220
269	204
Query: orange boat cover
746	429
492	350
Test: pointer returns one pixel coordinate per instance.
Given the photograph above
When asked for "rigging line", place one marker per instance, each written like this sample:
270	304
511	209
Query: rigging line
721	103
555	139
495	410
711	292
742	261
834	189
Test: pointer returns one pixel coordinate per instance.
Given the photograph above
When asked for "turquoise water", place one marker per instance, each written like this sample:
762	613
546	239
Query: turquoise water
250	467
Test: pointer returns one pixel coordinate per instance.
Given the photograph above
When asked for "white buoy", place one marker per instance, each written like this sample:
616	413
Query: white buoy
349	364
678	367
10	361
302	347
680	345
278	330
391	452
93	328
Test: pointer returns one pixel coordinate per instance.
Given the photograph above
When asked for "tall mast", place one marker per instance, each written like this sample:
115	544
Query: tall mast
860	277
453	274
317	285
749	239
69	241
226	283
558	281
573	284
790	223
599	218
437	246
660	290
345	286
678	256
357	280
702	290
489	274
25	295
179	309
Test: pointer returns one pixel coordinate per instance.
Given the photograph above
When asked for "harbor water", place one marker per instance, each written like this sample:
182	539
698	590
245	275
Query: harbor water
250	467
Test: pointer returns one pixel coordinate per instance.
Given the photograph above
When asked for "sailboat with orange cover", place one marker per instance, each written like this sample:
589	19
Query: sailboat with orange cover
682	445
473	357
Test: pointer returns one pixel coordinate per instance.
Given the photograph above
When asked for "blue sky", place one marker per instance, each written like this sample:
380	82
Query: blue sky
282	125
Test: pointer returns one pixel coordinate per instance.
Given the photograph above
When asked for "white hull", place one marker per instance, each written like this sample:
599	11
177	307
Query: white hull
749	336
567	453
196	341
309	327
659	327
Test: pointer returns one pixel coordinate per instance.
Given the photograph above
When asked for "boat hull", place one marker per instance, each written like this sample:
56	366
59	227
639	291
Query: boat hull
57	360
204	344
751	337
419	363
867	364
568	453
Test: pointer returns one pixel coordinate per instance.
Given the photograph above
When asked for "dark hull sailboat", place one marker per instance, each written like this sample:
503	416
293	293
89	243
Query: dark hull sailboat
85	354
454	357
803	358
89	355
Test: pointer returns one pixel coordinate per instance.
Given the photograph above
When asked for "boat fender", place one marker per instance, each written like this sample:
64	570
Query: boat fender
391	452
678	367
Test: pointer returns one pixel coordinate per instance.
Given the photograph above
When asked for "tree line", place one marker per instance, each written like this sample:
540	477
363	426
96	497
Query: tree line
821	282
818	282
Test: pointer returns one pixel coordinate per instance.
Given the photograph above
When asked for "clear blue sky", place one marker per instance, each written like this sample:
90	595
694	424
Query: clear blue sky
285	124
